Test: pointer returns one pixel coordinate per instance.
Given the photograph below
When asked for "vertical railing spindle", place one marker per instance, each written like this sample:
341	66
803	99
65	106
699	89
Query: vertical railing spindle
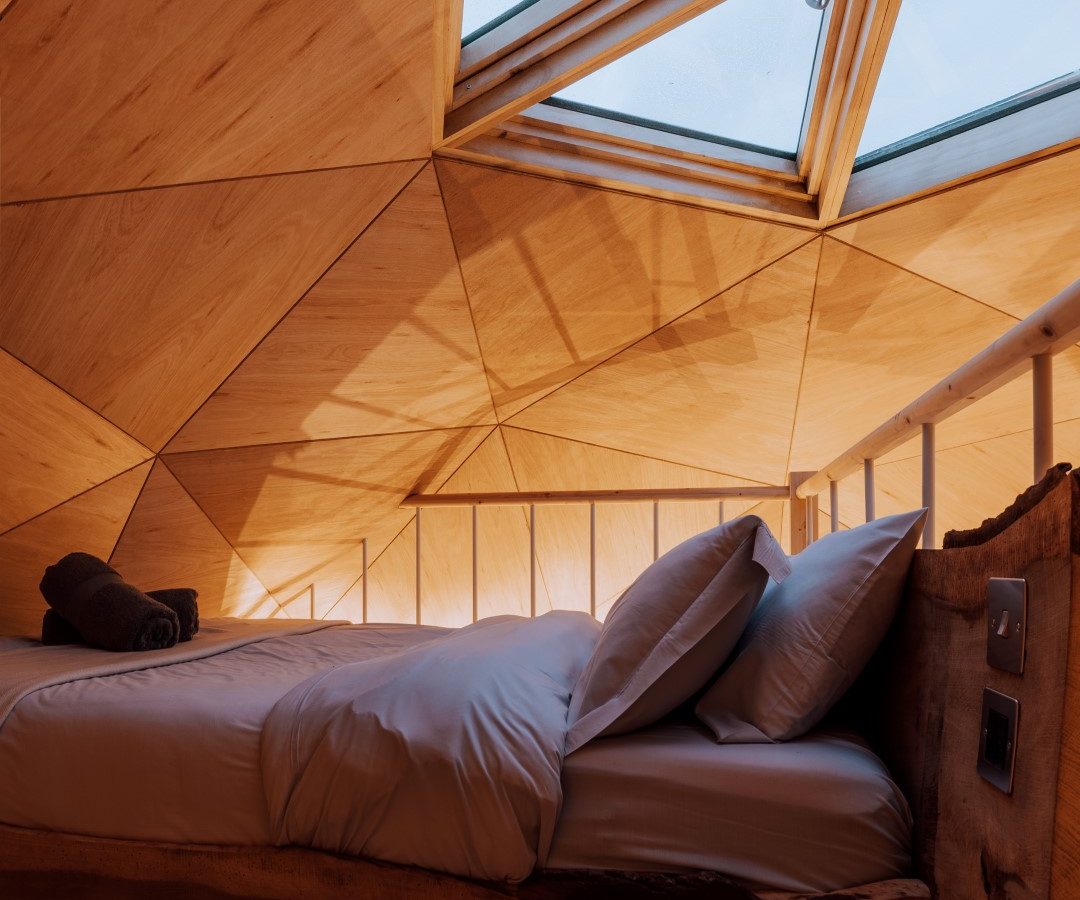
834	506
868	487
721	518
532	560
655	530
364	561
475	577
592	559
929	486
418	512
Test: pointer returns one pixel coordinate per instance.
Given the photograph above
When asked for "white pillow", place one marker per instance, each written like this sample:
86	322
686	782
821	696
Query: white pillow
811	636
671	630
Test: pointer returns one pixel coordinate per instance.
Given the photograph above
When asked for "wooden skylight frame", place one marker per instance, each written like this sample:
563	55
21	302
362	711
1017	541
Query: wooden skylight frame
494	115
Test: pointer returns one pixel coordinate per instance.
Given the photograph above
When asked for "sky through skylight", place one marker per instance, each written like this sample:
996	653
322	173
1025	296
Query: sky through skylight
740	71
948	58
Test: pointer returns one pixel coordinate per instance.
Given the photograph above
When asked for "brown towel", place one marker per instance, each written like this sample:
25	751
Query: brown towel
181	601
105	610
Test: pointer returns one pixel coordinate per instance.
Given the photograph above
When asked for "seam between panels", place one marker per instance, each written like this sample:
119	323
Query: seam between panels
294	304
123	530
661	327
465	290
216	528
802	367
181	184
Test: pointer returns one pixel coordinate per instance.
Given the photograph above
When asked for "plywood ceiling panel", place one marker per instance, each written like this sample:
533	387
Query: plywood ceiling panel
296	513
1009	240
562	276
446	555
140	304
51	446
715	389
384	342
90	523
125	94
624	535
169	542
879	337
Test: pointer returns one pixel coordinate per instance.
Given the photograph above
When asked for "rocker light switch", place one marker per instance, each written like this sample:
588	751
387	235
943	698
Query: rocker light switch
997	744
1006	624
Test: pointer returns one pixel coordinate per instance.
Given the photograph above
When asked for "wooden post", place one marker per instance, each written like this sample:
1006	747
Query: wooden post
1042	412
834	506
929	487
418	514
868	487
475	576
720	513
655	530
802	513
364	607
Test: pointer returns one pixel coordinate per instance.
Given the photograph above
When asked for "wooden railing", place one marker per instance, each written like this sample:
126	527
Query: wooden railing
1031	344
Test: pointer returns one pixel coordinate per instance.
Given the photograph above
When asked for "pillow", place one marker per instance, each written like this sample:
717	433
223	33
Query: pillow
672	629
811	636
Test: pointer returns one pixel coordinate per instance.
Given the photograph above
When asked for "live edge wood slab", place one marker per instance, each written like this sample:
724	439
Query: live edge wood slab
920	699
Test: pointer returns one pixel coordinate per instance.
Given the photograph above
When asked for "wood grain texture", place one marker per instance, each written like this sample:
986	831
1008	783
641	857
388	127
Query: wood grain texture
118	95
140	304
90	522
40	864
1007	240
624	536
51	446
879	337
973	842
446	556
296	513
169	542
383	342
561	277
715	389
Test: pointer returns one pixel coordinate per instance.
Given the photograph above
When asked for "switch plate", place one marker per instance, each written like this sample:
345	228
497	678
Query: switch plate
997	744
1006	624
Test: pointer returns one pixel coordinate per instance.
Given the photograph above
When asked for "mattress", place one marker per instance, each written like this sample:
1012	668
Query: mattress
813	814
172	754
168	753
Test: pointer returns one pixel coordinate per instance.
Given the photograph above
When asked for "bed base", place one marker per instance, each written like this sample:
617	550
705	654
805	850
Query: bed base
44	864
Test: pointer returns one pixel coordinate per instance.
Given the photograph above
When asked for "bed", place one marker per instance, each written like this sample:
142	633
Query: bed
118	772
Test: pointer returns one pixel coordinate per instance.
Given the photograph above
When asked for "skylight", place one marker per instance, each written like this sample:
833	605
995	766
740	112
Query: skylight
948	59
739	73
480	16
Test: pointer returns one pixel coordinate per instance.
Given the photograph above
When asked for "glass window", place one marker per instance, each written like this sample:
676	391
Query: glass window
950	59
478	17
739	73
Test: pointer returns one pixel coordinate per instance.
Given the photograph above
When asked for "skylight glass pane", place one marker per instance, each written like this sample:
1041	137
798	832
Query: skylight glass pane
948	58
740	71
479	16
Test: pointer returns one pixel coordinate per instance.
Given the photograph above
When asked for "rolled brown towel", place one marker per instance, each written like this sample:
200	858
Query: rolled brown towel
55	629
181	601
105	610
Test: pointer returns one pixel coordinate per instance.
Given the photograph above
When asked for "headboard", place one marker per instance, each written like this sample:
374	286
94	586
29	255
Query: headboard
922	696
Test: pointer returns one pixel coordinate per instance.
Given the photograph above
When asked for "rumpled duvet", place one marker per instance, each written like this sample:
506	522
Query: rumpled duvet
446	755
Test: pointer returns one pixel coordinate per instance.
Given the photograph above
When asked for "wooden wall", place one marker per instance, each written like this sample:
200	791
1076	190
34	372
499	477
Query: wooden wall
243	313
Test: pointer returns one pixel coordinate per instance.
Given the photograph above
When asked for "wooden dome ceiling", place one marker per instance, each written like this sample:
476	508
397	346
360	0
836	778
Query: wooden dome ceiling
244	313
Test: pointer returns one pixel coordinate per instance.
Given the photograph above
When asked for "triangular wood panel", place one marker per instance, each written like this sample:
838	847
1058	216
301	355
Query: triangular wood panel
90	523
169	542
296	513
624	541
113	96
1009	240
880	336
384	342
51	446
446	555
715	389
140	304
561	277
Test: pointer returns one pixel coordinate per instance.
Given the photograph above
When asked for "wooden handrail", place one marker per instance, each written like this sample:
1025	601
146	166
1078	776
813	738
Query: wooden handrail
1050	329
528	498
